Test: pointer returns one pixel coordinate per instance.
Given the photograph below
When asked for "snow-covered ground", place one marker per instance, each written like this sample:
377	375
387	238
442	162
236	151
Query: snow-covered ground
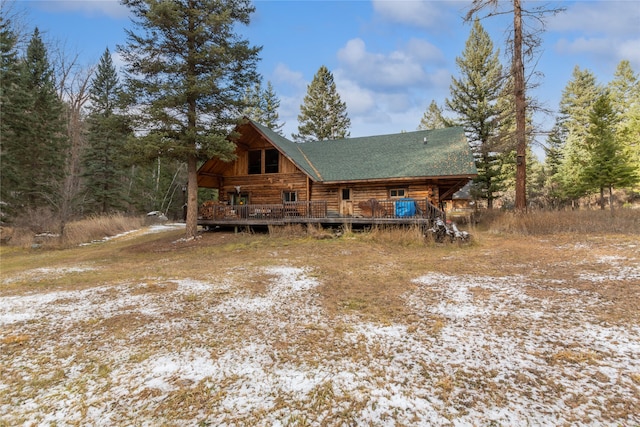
487	351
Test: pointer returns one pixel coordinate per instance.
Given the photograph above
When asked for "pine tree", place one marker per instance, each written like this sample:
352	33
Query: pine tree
188	71
474	97
552	164
524	43
433	118
271	105
253	103
262	106
625	100
104	169
577	101
10	116
508	175
609	164
35	153
322	114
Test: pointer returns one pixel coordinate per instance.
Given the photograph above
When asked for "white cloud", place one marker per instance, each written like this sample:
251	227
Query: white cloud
402	68
591	17
422	50
630	49
584	45
111	8
597	34
358	99
421	14
609	50
283	74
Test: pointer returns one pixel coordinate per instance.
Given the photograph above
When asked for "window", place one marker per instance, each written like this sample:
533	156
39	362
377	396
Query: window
271	158
271	161
290	196
397	192
346	194
255	162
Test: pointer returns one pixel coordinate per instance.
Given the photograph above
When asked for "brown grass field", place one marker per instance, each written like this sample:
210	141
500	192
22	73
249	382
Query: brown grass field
521	326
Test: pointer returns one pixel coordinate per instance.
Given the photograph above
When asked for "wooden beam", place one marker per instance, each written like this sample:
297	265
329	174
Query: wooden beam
453	189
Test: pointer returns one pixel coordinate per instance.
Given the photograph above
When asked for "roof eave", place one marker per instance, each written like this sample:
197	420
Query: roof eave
401	179
284	153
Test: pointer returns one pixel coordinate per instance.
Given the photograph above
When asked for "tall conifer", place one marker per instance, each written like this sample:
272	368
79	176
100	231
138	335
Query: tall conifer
107	134
37	148
576	104
323	115
188	70
10	116
474	97
262	106
608	164
433	118
625	100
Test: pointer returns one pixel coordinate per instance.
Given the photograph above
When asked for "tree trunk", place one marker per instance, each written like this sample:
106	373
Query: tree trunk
610	199
192	198
602	198
520	101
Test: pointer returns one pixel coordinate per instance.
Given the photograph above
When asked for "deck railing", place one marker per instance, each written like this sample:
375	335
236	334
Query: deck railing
401	209
213	211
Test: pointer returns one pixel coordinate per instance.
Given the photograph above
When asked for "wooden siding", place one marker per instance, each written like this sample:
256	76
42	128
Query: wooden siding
362	192
266	188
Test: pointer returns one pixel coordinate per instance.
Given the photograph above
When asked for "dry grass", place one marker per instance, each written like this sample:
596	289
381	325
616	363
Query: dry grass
99	227
297	328
622	221
45	234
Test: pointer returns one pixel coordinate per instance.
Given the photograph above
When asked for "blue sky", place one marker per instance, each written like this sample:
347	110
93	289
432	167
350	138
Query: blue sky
389	58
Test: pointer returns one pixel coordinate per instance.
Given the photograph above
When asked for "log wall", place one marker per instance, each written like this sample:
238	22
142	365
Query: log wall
267	188
362	192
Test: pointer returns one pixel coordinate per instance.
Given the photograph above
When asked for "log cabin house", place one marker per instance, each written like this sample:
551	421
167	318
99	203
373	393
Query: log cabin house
402	178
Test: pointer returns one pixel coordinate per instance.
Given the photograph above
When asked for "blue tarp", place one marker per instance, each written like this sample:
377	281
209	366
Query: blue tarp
405	208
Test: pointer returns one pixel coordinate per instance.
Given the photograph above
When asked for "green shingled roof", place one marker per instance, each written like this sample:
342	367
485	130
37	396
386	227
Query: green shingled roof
401	155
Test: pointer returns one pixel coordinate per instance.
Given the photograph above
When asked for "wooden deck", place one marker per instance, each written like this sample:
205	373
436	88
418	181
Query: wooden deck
372	212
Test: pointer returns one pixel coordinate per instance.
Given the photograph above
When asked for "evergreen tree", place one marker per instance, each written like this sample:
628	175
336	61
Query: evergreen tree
577	101
322	114
524	43
433	118
474	97
188	70
271	105
36	149
10	116
253	103
609	164
552	164
625	100
104	169
536	181
262	106
508	175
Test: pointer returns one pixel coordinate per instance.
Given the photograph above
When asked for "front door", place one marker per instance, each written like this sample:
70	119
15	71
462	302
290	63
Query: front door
346	202
239	201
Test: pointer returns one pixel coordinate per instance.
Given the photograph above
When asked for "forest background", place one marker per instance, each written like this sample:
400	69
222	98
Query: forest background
70	150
